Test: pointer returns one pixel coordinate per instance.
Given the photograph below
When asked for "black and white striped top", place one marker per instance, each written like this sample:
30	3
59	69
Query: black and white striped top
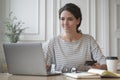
72	54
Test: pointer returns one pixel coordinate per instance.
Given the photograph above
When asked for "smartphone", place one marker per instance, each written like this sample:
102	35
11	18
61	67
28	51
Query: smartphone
90	63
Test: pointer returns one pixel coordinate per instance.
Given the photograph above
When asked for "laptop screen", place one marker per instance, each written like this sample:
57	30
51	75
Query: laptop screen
25	58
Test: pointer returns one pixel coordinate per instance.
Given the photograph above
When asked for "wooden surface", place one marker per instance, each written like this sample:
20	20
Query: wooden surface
6	76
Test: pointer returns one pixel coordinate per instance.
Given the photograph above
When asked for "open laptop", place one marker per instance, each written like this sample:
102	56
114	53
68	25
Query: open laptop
25	59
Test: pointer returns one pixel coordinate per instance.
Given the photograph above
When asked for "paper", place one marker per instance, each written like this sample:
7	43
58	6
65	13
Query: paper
104	73
93	73
82	75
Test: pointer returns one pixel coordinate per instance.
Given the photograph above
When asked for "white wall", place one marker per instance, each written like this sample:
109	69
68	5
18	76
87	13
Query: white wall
102	25
1	33
95	19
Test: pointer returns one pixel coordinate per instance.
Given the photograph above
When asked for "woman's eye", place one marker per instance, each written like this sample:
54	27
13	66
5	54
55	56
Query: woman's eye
61	18
70	19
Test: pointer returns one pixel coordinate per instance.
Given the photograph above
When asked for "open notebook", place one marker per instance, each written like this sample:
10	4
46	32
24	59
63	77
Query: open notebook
93	73
26	59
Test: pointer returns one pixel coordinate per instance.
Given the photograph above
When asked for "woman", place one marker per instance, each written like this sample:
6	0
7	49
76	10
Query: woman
72	48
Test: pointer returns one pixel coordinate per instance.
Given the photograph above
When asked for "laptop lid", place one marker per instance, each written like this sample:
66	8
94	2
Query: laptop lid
25	58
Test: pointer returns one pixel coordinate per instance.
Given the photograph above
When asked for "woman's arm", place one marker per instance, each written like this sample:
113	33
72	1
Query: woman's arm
97	56
48	52
98	66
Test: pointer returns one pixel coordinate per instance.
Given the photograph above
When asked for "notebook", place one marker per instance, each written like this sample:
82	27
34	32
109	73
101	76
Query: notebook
26	59
93	73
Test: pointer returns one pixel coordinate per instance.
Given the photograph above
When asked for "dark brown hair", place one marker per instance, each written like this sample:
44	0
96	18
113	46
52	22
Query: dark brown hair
75	10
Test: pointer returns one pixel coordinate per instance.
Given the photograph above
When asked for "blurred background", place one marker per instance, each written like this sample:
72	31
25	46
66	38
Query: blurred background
101	19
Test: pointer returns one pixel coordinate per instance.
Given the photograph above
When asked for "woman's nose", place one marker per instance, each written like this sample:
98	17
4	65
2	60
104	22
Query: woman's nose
65	22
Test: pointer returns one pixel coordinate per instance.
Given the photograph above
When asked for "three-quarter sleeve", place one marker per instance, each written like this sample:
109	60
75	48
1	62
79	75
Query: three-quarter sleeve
96	52
48	52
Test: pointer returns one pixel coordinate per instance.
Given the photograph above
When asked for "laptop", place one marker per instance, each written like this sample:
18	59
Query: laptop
25	59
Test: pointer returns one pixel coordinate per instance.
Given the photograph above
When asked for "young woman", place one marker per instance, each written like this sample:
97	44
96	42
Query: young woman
72	48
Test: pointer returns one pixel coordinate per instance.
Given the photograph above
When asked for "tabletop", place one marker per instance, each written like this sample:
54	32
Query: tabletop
6	76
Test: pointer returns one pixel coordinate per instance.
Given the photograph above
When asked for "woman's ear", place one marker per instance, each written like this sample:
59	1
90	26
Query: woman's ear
78	21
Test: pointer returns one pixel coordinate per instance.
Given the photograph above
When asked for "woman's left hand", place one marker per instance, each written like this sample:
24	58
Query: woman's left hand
98	66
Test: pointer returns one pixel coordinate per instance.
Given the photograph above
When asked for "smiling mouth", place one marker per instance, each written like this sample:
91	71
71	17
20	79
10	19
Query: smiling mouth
66	27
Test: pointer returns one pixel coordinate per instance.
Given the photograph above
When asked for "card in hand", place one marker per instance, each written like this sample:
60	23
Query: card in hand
90	63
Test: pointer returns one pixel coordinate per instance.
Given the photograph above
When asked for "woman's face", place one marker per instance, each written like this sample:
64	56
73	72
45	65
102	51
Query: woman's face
68	22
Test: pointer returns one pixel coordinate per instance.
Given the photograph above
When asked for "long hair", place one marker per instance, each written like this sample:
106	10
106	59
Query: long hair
75	10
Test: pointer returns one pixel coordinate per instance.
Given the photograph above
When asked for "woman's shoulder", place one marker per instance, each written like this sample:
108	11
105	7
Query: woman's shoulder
52	40
88	36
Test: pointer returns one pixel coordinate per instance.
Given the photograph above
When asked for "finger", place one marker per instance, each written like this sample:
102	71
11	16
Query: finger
97	64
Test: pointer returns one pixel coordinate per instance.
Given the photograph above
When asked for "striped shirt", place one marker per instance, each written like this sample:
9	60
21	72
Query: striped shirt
72	54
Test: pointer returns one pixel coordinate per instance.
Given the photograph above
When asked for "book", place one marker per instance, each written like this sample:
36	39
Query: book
93	73
104	73
81	75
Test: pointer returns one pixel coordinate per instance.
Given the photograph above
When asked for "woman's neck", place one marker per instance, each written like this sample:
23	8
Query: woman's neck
71	37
